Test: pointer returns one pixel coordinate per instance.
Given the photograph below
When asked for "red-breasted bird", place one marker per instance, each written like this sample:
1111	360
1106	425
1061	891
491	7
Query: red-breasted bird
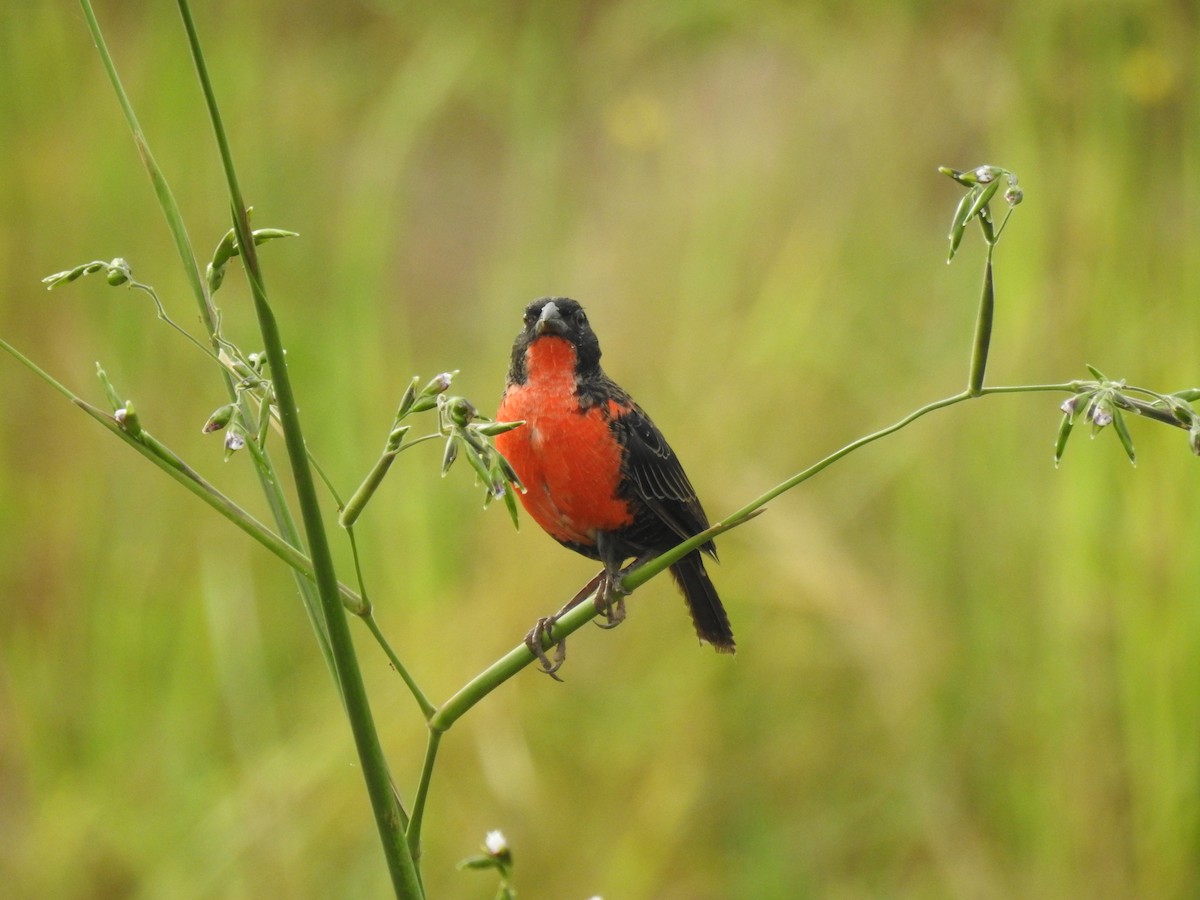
599	476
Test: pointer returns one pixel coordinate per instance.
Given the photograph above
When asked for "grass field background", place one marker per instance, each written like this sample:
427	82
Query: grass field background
961	672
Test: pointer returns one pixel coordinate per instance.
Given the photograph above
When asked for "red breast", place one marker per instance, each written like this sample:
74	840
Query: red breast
566	456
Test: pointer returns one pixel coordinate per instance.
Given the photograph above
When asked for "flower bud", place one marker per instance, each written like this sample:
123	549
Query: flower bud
987	174
495	843
234	441
118	272
1100	413
407	399
215	277
450	454
437	385
219	419
460	410
395	438
127	418
1181	410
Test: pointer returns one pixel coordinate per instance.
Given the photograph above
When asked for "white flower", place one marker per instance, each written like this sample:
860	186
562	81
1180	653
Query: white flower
495	843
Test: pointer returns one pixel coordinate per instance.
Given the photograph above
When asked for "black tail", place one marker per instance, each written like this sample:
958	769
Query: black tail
708	615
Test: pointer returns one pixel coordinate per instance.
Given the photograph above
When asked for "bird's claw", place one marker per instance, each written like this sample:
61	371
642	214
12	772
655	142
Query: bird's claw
610	602
613	609
533	640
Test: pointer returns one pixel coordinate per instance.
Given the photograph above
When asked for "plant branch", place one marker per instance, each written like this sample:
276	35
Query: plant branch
209	315
418	813
520	656
388	815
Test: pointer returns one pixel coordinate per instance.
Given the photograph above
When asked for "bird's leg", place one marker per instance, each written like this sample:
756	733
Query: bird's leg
611	598
610	601
541	631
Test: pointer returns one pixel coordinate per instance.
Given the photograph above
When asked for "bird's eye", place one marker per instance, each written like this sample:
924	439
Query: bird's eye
581	318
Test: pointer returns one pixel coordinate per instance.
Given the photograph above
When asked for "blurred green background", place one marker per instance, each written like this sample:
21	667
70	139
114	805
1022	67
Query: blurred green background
961	673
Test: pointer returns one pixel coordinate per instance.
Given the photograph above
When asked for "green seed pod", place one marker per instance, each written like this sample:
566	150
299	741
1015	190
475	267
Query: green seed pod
226	250
1064	432
395	438
982	199
510	474
985	222
480	469
214	276
450	454
1182	411
407	398
262	235
491	429
1122	431
510	502
219	419
958	225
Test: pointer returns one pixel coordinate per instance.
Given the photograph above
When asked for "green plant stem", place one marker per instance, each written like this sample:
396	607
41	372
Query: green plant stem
358	500
520	656
270	486
170	462
423	702
388	815
418	813
983	329
367	615
162	189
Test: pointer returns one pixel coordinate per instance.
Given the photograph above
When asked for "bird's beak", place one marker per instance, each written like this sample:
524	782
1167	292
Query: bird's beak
550	321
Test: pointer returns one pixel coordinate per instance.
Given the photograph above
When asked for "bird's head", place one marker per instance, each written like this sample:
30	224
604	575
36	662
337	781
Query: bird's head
562	321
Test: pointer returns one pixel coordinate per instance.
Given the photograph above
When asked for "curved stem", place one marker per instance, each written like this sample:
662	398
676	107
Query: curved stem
520	656
418	813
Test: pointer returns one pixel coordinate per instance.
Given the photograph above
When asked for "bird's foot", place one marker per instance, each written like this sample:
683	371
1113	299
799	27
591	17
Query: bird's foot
540	631
610	602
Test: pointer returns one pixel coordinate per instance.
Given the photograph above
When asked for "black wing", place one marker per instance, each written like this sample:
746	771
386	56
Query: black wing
657	479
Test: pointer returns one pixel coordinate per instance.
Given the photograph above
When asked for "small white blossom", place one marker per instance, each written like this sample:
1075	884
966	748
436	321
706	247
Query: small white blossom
495	843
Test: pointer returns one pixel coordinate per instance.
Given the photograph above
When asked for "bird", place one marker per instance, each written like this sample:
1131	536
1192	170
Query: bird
598	475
